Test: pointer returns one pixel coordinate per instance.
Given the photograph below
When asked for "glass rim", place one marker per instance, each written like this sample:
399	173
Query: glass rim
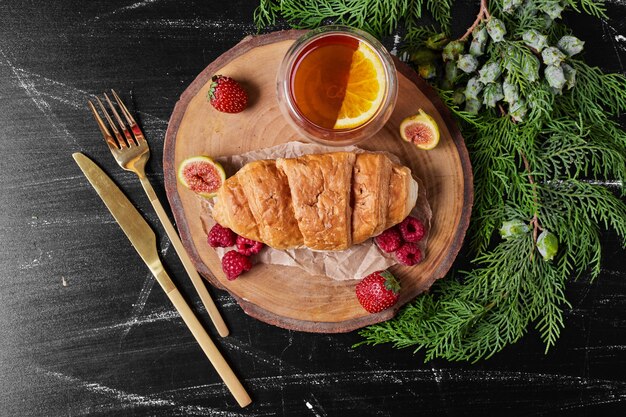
284	84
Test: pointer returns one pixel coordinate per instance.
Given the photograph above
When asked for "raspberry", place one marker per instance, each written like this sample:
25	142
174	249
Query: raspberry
389	240
221	237
235	264
409	254
248	246
412	230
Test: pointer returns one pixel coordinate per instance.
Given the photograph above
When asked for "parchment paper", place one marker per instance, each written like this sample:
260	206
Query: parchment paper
354	263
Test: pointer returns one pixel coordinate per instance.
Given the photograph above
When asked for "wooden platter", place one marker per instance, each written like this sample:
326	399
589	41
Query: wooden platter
287	296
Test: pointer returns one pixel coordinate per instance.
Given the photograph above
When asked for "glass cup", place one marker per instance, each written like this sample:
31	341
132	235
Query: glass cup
328	135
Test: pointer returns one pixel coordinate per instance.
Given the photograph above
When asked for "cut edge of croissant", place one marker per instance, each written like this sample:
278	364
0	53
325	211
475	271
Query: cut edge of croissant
412	198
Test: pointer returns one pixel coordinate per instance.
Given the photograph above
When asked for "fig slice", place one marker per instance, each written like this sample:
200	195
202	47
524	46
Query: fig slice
202	175
421	130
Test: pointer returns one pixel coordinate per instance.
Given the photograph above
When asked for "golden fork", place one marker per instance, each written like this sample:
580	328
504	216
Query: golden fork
131	152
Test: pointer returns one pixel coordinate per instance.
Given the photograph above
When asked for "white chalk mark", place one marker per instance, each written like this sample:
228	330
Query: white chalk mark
396	42
609	183
185	24
72	96
134	6
401	377
608	398
257	355
144	293
165	247
41	89
63	281
606	183
613	272
31	91
138	306
154	317
609	31
310	407
73	221
322	412
202	24
126	400
36	262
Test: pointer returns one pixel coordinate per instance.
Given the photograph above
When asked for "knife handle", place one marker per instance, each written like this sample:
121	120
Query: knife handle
197	282
209	348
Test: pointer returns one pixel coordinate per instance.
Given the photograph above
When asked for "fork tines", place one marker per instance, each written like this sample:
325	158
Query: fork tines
130	134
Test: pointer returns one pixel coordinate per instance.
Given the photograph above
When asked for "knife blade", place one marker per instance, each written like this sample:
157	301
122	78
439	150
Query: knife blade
133	224
143	239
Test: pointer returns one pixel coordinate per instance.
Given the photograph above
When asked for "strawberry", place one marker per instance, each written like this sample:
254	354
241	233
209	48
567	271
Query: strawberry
221	237
235	264
226	95
378	291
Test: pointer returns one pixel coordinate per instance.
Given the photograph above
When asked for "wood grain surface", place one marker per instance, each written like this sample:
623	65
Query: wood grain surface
288	296
84	330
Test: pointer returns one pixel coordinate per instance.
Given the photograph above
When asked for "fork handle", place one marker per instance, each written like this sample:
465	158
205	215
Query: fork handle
197	282
204	340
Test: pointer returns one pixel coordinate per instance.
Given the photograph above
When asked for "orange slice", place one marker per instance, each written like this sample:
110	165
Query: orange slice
365	89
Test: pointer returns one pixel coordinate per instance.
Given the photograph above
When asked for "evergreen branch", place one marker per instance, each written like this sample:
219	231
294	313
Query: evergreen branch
416	36
597	91
551	296
483	14
580	154
532	168
375	16
581	199
440	10
594	8
520	62
265	13
379	17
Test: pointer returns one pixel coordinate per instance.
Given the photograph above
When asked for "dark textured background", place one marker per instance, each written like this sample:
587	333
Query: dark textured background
83	328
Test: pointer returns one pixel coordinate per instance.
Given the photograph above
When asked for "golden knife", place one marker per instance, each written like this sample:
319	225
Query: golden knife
143	239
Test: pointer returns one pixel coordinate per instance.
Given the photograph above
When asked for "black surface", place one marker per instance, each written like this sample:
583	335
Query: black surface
83	328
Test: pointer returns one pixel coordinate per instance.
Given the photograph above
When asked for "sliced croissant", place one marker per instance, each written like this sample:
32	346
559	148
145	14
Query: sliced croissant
321	201
320	189
269	198
370	195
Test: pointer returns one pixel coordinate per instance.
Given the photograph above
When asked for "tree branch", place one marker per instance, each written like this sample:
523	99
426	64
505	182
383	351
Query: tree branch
535	221
483	14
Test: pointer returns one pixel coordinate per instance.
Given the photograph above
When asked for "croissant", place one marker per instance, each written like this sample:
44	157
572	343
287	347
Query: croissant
324	201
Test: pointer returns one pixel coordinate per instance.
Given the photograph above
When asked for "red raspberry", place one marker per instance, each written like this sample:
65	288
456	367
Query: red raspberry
409	254
389	240
221	237
248	246
412	230
235	264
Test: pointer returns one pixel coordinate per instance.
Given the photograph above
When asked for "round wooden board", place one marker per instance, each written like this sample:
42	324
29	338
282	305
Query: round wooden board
287	296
